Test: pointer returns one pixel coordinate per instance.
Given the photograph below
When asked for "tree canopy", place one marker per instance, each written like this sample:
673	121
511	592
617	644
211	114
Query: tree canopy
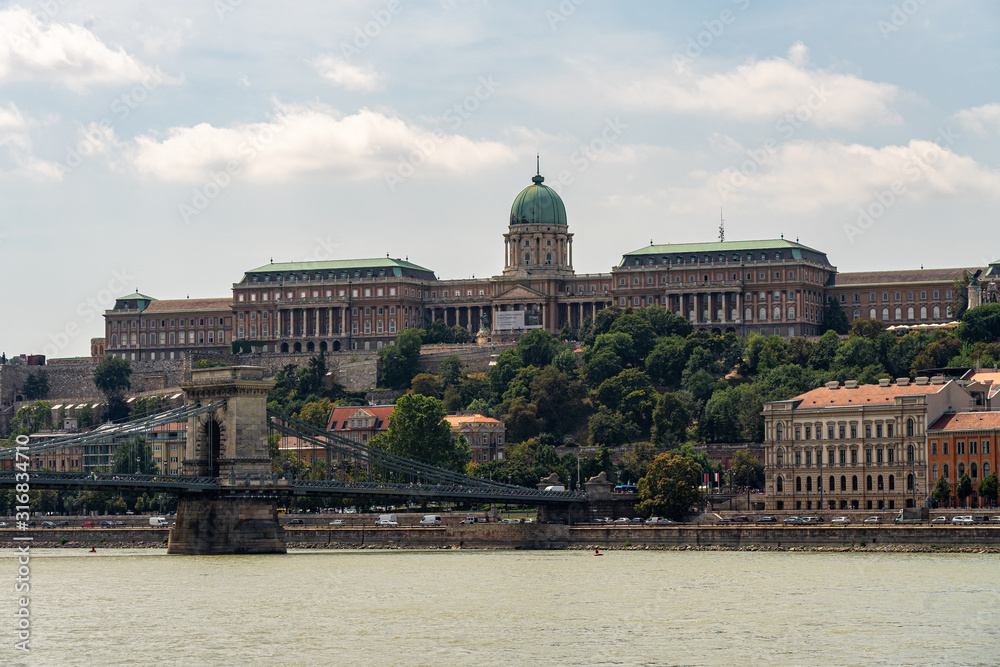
670	487
112	378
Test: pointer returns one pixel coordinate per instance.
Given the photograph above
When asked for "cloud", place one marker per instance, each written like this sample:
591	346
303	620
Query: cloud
981	120
299	140
804	177
15	137
363	78
159	39
65	54
758	90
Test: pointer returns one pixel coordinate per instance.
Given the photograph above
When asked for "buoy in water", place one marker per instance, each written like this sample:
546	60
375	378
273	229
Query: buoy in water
597	552
93	550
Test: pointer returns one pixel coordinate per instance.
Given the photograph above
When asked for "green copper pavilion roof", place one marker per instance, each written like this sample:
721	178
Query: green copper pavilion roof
338	265
721	246
136	295
538	204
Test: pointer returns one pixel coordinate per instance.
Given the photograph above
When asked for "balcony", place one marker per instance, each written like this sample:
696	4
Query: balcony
702	285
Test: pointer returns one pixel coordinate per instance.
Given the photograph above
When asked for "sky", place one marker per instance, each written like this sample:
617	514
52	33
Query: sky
170	147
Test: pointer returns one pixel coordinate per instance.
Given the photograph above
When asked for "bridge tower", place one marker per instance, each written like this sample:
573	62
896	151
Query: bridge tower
231	444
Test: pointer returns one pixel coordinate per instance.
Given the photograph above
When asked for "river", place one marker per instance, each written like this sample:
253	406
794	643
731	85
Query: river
119	607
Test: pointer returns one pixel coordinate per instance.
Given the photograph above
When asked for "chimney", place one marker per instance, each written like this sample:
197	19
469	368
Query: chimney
938	379
833	385
922	380
902	382
883	382
851	384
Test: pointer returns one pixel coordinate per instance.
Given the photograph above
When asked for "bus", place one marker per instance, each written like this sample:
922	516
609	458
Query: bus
626	488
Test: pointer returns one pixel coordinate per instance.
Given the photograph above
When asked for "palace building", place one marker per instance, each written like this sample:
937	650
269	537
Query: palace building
770	286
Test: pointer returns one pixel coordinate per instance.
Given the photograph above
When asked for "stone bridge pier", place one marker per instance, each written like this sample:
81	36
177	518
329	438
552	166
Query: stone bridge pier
231	444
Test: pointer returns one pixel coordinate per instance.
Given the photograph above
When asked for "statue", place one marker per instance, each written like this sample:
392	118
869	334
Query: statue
484	322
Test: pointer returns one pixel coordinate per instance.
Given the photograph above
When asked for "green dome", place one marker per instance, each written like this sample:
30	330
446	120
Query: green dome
538	205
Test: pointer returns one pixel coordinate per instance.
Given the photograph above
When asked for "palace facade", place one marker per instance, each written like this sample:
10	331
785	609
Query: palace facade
770	286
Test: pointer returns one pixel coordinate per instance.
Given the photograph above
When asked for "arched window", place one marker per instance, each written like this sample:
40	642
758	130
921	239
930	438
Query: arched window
909	313
780	456
868	483
857	313
923	312
872	314
527	258
779	432
748	313
780	484
791	312
909	482
762	313
548	258
809	484
909	454
885	314
854	483
934	472
114	340
898	313
819	483
945	474
733	314
909	427
133	340
798	484
833	484
937	312
881	483
843	483
777	312
986	469
892	482
973	470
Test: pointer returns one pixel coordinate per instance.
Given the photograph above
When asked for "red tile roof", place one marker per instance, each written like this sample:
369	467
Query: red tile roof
189	305
865	394
961	421
456	420
340	415
984	376
897	277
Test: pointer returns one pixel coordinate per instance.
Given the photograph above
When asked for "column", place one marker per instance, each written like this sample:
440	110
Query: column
329	318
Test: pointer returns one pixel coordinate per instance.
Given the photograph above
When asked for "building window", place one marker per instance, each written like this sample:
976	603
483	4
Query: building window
909	427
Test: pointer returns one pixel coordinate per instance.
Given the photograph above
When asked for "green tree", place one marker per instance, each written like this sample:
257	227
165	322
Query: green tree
399	361
426	384
134	456
507	365
558	399
834	318
144	406
670	487
667	361
316	413
611	429
521	420
979	325
452	371
960	292
989	486
639	330
964	488
310	377
537	348
671	420
112	378
746	471
36	386
636	463
417	430
870	329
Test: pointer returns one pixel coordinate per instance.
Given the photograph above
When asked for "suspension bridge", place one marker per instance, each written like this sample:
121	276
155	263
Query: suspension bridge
228	494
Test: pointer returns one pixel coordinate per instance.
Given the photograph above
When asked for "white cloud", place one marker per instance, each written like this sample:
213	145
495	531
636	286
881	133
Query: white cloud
299	140
981	120
804	177
758	90
14	136
65	54
160	39
363	78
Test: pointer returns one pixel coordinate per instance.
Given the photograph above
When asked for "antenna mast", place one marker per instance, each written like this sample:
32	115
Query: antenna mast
722	226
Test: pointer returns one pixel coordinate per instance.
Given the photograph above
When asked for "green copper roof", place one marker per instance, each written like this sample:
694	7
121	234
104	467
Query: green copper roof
338	265
538	204
136	295
721	246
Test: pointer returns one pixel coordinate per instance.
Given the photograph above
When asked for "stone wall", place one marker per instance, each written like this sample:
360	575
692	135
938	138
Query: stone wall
476	357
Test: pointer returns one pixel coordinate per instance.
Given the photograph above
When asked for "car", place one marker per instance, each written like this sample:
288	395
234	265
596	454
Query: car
3	524
724	519
812	519
979	518
296	522
741	519
622	520
338	522
636	519
48	524
792	519
87	524
467	520
119	524
840	520
61	523
107	524
995	519
507	521
529	521
767	519
658	519
873	519
939	519
962	520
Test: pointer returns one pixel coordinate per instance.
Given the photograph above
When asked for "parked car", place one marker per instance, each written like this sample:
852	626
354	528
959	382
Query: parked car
3	524
636	519
431	520
840	520
941	519
873	519
388	520
58	523
792	519
48	524
87	524
725	519
107	524
468	520
621	520
767	519
995	519
296	522
741	519
812	519
980	518
962	520
119	524
658	519
338	522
